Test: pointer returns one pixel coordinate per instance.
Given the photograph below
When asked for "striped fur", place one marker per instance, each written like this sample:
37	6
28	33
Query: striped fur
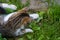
15	22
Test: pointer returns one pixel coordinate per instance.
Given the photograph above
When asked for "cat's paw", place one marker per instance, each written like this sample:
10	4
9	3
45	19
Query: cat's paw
34	16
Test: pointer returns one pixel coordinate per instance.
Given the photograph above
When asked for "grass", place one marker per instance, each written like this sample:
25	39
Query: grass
47	28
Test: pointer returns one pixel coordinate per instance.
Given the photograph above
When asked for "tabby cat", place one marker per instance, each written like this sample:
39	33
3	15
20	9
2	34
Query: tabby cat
15	24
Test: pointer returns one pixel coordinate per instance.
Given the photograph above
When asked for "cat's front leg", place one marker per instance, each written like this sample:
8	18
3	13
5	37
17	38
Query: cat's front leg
22	30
